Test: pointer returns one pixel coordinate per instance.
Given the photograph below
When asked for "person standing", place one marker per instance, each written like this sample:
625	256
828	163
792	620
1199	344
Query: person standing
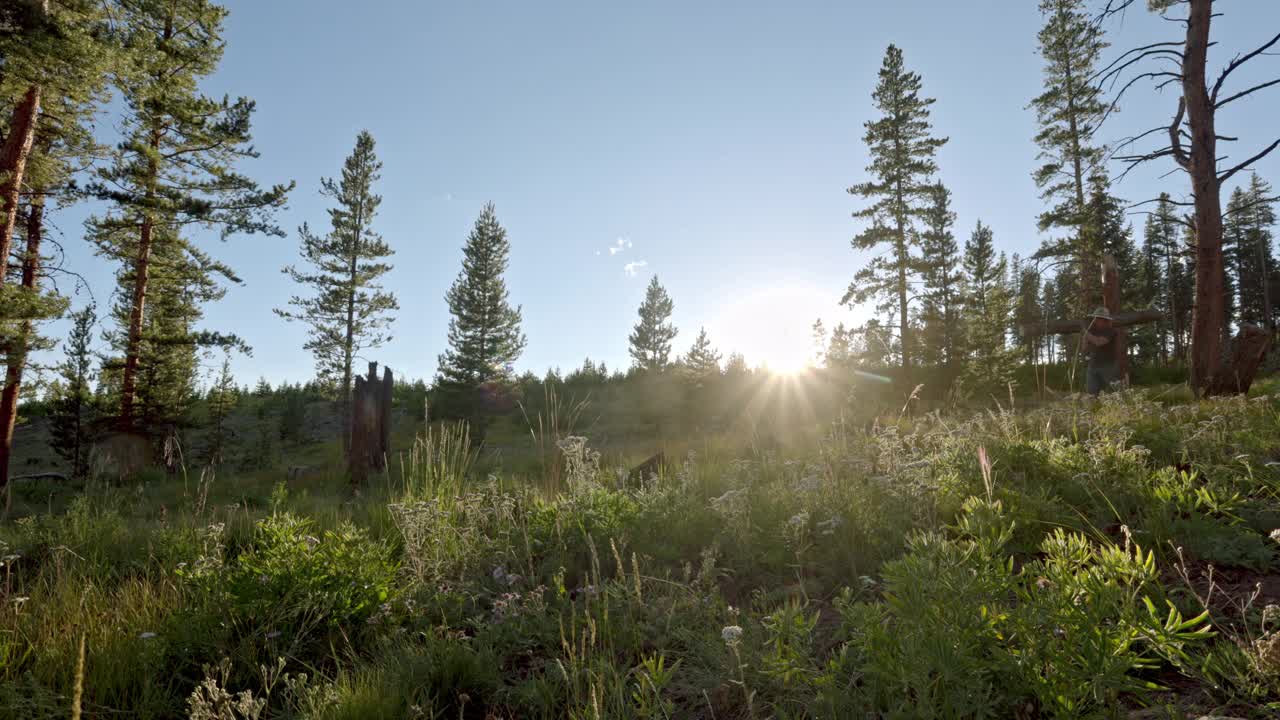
1100	347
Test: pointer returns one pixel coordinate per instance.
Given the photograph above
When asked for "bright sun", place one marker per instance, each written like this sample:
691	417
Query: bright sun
773	327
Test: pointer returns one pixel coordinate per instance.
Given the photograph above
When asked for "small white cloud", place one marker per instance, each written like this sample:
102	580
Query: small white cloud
597	253
622	243
447	197
633	268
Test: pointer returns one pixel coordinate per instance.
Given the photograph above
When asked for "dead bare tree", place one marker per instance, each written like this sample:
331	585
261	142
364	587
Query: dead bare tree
1193	144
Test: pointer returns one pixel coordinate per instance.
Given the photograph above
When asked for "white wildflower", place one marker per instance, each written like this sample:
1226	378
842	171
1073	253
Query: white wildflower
732	635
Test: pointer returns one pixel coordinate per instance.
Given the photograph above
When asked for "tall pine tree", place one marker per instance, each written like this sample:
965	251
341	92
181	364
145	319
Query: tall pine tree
651	338
940	273
176	164
349	311
901	191
1069	112
484	334
989	313
1249	220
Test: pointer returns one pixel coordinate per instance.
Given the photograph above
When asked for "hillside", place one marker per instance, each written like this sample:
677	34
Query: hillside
1070	560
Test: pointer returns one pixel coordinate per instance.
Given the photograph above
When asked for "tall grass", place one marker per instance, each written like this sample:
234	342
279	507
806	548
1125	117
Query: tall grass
557	420
439	463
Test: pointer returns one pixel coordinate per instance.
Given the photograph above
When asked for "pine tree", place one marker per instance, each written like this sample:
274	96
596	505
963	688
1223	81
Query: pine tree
53	69
989	315
71	416
1250	217
1069	112
222	400
1182	279
818	331
983	269
350	311
54	61
988	311
651	339
181	279
736	366
839	352
484	334
940	307
1151	290
702	361
902	167
176	164
1027	310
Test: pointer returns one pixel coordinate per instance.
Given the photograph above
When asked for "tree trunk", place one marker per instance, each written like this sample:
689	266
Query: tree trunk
1207	313
137	306
18	354
13	166
348	347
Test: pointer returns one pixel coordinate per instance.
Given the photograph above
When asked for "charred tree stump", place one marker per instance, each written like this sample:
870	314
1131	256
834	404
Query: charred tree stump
370	424
1250	348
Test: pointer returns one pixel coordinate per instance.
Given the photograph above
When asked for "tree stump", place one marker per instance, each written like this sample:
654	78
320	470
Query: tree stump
1250	348
370	423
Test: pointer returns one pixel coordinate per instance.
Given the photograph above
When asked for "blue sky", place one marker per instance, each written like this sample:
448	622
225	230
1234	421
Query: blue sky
714	139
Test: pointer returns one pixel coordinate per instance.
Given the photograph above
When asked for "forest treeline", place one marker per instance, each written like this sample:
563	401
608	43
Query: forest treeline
951	308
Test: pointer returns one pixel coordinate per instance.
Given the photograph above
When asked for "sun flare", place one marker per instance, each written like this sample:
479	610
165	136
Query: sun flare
773	327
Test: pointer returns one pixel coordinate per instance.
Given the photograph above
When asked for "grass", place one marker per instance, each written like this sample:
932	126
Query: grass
1050	561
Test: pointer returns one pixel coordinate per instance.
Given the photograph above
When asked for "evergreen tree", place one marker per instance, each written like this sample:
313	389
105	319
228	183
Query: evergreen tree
901	190
1027	310
175	166
651	338
349	311
1250	218
1170	283
71	416
1151	289
983	269
940	309
484	334
989	316
736	366
222	400
1069	112
1182	279
839	353
54	62
181	279
989	312
53	71
819	334
703	361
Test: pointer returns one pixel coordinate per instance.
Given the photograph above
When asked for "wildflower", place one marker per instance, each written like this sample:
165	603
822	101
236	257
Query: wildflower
732	635
146	635
273	634
1275	535
20	600
1271	614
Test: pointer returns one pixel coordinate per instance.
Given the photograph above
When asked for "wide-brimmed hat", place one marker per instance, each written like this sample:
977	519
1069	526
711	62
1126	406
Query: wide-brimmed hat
1101	312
